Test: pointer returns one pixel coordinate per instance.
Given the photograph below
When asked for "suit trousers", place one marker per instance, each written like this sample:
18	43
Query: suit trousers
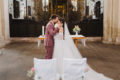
49	52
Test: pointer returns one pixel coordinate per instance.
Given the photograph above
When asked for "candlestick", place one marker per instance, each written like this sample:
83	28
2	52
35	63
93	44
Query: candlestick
43	30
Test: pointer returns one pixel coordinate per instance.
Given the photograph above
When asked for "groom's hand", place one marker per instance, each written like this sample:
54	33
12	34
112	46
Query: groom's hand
57	29
61	29
52	31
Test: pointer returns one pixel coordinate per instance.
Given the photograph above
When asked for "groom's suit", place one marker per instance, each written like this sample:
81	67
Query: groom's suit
49	39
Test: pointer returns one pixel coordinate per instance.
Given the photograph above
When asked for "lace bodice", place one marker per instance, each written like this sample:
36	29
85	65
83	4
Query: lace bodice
58	36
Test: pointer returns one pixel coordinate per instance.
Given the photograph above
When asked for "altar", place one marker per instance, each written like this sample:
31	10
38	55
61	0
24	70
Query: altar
74	37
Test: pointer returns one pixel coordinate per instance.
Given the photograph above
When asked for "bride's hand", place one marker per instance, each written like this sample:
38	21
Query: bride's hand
61	29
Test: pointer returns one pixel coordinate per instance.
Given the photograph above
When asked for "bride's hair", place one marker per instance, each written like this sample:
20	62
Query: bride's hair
53	16
61	20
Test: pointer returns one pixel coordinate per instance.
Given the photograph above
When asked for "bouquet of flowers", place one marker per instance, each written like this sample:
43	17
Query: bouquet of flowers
31	72
76	28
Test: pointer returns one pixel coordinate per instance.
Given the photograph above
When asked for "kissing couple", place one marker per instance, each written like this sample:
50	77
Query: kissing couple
54	30
60	48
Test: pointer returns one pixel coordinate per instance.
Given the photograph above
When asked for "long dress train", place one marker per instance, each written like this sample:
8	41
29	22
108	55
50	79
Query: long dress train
67	49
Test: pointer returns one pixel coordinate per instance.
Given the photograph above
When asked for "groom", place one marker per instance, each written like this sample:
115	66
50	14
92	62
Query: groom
49	36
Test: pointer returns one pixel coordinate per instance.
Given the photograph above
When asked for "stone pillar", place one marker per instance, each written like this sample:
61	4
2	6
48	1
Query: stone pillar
0	25
6	17
4	22
115	20
118	35
111	21
107	21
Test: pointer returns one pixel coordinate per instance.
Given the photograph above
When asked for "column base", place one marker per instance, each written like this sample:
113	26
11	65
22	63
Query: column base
108	42
117	41
4	43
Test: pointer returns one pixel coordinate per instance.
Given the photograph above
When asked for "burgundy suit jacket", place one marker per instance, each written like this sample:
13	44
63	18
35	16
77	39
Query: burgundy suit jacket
49	34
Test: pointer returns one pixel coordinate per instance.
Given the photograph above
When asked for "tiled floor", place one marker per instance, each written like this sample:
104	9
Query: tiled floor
17	58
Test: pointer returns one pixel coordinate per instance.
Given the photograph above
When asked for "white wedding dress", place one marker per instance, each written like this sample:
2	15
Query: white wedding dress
65	48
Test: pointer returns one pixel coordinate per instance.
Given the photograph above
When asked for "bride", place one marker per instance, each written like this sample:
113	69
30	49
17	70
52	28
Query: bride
64	47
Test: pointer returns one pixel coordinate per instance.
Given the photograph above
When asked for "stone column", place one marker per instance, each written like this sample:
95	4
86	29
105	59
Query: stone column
6	13
0	25
107	30
4	22
118	35
111	21
1	20
115	19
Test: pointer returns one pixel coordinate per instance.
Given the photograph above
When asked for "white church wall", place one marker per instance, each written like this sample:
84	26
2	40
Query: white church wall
22	7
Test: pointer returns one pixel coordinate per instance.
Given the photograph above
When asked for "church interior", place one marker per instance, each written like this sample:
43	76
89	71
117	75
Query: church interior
21	23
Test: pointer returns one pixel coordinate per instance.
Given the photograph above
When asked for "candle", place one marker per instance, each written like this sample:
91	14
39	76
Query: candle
42	30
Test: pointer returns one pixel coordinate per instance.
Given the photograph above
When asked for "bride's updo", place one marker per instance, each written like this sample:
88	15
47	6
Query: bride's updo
61	20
